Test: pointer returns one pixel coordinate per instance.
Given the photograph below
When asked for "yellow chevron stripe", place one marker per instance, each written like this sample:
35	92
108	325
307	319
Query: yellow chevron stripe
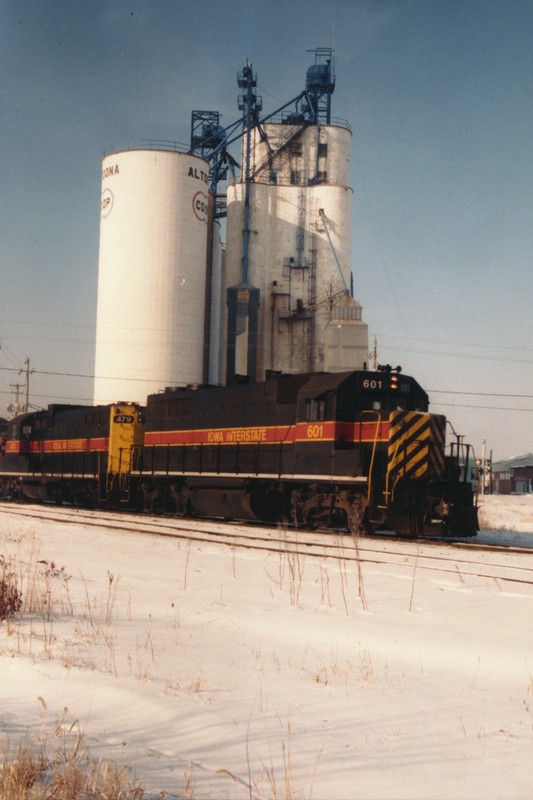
409	446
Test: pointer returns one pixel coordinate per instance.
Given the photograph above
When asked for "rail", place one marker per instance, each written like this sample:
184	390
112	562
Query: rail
476	560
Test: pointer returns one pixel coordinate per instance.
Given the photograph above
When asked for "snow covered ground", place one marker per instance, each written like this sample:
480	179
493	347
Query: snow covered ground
504	512
226	673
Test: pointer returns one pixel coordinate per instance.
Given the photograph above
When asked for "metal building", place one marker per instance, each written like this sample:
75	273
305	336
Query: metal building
215	327
152	273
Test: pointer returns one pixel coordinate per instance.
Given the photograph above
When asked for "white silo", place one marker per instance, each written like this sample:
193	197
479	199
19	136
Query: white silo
299	249
152	273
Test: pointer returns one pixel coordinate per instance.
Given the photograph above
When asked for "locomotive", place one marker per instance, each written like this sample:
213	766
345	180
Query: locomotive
352	450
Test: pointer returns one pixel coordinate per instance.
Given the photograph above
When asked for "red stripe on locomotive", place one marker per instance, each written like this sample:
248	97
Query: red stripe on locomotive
99	445
327	431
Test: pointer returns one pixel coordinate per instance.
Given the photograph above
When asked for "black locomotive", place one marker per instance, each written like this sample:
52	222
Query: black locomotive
74	454
355	450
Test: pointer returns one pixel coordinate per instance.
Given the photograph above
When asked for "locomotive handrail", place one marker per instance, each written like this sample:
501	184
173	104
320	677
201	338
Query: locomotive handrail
374	447
389	470
460	449
135	457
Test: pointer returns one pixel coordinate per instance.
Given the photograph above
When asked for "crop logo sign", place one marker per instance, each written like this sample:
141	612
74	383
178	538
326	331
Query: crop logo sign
107	202
199	206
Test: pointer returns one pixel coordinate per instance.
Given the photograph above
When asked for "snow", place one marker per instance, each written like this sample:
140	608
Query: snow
245	674
507	512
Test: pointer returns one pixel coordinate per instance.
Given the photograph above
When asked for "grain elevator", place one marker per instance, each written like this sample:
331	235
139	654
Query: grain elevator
175	306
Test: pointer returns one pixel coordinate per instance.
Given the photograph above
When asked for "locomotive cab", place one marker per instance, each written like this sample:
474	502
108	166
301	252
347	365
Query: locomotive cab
388	454
126	433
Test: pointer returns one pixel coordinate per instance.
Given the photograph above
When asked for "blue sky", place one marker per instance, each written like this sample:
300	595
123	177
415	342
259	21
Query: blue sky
439	96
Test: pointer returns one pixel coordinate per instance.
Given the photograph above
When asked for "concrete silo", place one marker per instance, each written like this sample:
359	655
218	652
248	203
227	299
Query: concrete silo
289	232
152	273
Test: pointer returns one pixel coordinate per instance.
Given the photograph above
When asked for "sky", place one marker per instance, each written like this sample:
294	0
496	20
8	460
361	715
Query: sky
439	97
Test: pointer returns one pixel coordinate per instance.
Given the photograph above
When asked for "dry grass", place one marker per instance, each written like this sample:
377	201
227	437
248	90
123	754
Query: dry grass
10	597
339	673
290	567
35	594
273	781
30	773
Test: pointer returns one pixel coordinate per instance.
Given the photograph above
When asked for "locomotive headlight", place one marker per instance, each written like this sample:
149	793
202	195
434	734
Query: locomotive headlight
394	382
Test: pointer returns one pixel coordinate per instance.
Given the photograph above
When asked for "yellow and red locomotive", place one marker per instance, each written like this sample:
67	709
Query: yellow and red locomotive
356	450
74	454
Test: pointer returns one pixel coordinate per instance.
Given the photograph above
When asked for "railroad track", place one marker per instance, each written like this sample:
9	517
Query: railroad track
495	562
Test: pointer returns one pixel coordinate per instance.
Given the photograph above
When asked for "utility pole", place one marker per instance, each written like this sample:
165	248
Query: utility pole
15	407
27	372
483	453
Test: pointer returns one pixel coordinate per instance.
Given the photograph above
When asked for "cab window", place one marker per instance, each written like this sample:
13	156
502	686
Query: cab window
316	409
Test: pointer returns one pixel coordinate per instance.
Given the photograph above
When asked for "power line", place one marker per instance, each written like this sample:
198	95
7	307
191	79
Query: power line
478	394
483	346
113	378
484	408
511	395
73	375
474	356
92	328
